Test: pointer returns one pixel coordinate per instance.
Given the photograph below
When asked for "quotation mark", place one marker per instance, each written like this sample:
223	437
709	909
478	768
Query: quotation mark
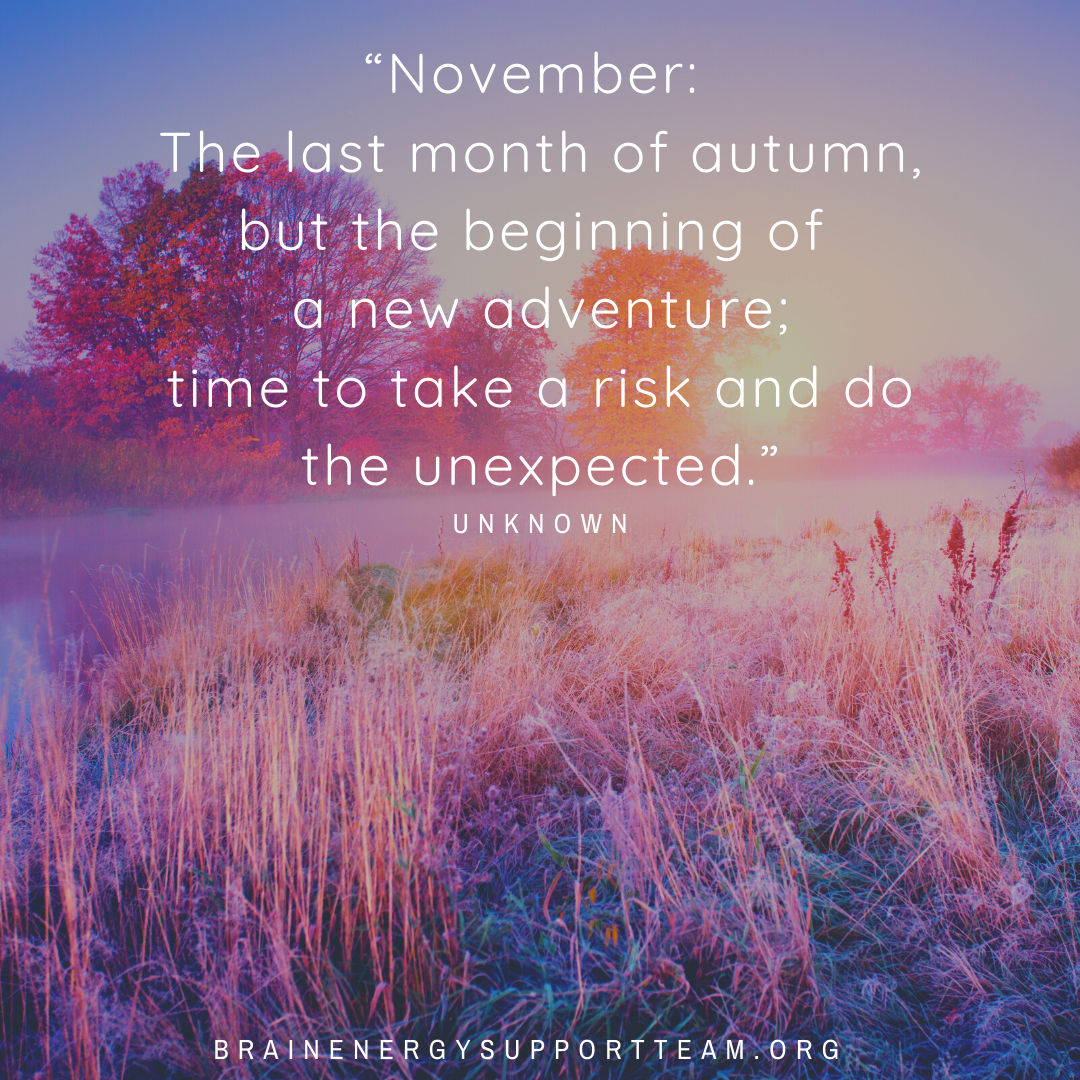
768	451
377	60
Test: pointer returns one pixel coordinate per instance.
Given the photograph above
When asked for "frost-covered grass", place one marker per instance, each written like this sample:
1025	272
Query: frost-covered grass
613	793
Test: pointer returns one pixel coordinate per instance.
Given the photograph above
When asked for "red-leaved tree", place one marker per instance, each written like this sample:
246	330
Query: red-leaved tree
110	302
160	281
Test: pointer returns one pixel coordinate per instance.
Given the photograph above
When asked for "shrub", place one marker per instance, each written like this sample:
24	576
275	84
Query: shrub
1062	464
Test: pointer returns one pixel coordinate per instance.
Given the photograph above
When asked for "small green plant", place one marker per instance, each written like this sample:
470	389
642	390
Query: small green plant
372	588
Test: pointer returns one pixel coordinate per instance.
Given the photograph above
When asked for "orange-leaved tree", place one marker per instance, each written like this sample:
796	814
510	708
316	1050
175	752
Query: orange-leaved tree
643	331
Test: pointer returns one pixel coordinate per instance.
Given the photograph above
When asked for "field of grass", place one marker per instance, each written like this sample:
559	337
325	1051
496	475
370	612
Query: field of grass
705	790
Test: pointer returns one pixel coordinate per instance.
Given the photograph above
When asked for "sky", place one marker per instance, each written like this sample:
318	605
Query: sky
974	256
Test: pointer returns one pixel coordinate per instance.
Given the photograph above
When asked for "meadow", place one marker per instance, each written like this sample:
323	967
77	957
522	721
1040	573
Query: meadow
823	788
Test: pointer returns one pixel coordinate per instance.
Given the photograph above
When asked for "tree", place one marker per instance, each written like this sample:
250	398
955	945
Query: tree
110	301
337	273
483	352
28	394
160	281
480	352
636	350
873	429
973	409
1062	463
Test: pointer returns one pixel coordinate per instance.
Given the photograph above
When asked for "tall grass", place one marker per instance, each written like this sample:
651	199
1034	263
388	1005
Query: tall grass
614	792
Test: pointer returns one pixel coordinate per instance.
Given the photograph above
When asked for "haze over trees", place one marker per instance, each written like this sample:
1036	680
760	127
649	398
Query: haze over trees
160	282
970	408
960	403
877	428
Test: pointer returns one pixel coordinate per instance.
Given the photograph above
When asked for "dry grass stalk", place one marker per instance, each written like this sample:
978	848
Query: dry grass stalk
672	787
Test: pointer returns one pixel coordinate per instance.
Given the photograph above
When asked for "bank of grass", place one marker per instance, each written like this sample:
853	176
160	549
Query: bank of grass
612	793
44	470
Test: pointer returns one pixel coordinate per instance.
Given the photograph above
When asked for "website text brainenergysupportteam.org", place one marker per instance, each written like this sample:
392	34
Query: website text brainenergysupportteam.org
540	1051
